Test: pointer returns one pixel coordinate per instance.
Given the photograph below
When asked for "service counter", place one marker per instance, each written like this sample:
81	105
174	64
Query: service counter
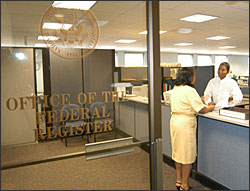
223	142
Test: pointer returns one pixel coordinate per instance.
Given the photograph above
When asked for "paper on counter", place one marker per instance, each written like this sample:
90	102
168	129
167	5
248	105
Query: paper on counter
221	104
207	98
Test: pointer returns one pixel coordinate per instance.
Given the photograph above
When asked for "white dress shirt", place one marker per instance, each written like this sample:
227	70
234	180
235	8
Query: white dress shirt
219	91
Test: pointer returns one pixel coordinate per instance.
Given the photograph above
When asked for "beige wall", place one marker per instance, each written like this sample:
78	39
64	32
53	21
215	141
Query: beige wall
239	65
6	25
17	80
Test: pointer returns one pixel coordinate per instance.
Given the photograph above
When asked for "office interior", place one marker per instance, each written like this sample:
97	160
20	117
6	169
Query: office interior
119	63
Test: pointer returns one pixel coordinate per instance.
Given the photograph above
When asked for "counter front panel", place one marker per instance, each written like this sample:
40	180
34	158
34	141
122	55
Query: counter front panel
223	153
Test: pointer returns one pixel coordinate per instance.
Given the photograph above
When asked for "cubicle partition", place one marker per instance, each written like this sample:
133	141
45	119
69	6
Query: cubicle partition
223	144
203	75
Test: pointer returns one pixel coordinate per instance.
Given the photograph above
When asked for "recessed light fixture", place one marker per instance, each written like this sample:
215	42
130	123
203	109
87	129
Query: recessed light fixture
146	32
183	44
226	47
47	38
198	18
102	23
84	5
40	45
125	41
185	30
218	38
59	16
57	26
20	56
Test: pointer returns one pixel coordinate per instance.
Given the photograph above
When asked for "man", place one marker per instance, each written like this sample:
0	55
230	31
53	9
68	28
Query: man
222	90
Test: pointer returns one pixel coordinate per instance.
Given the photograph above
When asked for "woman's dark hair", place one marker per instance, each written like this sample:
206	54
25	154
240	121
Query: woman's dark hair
185	77
226	64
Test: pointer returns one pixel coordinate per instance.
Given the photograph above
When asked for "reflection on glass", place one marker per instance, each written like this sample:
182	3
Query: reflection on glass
40	86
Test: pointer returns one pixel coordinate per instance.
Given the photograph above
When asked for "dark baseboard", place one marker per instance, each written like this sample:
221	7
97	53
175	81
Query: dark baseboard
198	177
207	181
194	174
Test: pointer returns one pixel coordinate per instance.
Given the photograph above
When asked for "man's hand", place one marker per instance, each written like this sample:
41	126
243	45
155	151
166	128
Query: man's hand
230	98
211	104
205	98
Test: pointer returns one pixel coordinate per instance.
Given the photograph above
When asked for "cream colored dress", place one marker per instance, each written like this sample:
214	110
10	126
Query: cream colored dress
185	103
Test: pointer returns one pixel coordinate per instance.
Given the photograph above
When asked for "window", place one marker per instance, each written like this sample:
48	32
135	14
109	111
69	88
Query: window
134	59
116	60
218	61
185	60
204	60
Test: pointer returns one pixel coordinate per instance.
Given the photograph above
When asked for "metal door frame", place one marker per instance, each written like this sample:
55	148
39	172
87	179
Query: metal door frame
154	106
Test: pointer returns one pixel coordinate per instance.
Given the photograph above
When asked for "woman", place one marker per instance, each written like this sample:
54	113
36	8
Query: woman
223	90
185	103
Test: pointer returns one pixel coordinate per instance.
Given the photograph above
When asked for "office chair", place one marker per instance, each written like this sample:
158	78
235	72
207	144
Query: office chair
73	123
99	106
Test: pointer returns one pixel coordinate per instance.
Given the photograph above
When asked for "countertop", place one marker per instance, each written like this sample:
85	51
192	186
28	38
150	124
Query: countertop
140	99
215	115
212	115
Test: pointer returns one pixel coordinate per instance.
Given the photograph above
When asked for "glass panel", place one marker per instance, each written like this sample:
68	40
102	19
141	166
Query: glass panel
75	91
17	113
201	45
39	72
40	86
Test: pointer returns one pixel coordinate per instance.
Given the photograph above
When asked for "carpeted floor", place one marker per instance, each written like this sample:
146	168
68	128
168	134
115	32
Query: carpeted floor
128	171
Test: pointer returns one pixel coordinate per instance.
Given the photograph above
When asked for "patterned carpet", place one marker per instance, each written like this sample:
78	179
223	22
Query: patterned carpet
128	171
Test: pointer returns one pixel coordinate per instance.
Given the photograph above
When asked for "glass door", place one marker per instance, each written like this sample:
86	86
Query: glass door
90	113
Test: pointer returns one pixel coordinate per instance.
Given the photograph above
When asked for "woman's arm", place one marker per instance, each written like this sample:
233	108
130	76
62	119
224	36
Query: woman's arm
207	109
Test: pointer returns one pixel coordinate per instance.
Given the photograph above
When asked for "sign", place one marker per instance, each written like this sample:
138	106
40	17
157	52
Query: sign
69	33
72	115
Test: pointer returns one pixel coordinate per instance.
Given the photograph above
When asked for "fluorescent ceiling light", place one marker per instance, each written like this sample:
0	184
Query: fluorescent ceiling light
20	56
102	23
225	47
47	38
183	44
125	41
84	5
59	16
146	32
40	45
185	30
57	26
198	18
218	38
161	32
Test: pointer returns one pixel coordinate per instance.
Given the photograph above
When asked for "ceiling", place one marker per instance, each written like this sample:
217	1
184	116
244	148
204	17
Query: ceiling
20	20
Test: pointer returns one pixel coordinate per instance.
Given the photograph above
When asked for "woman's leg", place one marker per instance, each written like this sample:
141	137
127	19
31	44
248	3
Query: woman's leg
178	171
186	169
